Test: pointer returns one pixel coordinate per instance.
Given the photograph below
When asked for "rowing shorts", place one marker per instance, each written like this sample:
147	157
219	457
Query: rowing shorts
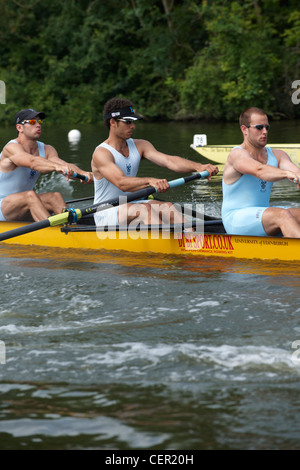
2	218
247	221
109	217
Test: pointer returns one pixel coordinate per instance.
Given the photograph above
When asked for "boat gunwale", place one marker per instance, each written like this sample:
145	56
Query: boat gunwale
207	243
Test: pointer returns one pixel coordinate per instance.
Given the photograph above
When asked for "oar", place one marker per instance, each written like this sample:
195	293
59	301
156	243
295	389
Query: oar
187	211
197	215
88	198
80	177
72	215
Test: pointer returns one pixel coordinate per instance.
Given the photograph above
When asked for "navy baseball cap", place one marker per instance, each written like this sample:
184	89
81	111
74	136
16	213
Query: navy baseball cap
124	113
25	114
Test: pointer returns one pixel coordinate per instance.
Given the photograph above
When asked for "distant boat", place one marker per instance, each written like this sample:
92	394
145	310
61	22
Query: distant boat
219	153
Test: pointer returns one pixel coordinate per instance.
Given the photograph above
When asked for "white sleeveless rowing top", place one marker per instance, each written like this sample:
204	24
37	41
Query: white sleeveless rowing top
104	189
22	178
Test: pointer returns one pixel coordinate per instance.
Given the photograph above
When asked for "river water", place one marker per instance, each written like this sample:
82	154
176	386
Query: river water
124	351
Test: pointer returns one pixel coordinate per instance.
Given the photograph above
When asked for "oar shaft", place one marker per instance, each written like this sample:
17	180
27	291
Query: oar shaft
25	229
63	218
172	184
72	201
142	194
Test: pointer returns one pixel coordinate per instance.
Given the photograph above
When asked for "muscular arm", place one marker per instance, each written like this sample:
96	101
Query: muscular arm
14	156
172	162
103	166
53	157
284	161
240	162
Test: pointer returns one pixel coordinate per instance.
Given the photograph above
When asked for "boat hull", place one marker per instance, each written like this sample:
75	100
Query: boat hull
219	153
146	241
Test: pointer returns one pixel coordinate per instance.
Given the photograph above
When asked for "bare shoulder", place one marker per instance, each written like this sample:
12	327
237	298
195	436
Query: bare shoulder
280	154
50	151
239	162
11	148
145	148
236	153
11	155
284	161
102	155
142	143
102	152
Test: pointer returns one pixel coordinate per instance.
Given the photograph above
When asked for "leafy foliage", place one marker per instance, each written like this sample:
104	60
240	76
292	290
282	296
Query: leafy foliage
175	59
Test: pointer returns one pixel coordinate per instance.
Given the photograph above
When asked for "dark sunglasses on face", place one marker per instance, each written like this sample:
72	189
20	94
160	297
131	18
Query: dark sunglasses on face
260	127
32	122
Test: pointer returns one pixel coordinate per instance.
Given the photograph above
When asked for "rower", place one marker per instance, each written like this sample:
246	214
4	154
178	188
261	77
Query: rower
115	164
21	162
249	173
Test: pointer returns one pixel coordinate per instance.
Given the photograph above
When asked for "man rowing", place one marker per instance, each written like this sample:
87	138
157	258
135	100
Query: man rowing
249	173
21	162
115	165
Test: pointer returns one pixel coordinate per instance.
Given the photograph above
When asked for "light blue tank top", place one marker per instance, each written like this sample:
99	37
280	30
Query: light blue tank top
104	189
247	191
22	178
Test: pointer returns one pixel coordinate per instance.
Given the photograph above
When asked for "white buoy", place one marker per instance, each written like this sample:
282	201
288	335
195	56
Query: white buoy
74	136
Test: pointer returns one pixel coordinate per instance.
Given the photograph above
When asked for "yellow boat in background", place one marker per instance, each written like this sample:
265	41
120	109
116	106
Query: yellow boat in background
212	243
219	153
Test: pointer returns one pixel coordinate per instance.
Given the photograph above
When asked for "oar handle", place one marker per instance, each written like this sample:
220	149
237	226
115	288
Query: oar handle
186	179
80	177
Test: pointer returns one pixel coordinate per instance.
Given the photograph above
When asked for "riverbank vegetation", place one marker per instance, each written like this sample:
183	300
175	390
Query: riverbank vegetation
174	59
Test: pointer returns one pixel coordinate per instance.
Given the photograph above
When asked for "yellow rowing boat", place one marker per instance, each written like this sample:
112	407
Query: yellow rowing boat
219	153
211	243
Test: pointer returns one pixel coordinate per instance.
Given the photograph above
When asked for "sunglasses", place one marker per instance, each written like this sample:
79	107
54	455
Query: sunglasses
260	127
127	121
32	122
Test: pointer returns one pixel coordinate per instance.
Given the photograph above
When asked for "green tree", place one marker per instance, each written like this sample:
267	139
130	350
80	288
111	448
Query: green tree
176	59
239	65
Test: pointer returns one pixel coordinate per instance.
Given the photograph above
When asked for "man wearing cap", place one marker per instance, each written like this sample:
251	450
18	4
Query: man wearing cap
115	164
21	162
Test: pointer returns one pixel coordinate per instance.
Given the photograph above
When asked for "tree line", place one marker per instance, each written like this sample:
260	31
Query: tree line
175	59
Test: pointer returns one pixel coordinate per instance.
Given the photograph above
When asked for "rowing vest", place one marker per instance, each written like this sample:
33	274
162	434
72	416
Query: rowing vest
104	189
22	178
247	191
